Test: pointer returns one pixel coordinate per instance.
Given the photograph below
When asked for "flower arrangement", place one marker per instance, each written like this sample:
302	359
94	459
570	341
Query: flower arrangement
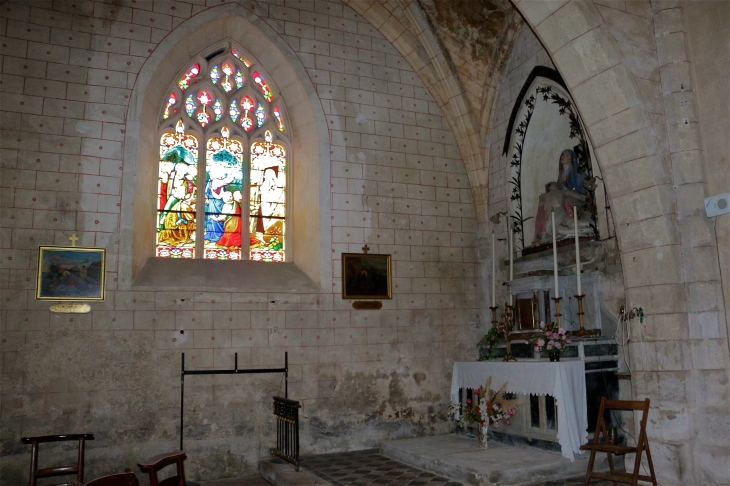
550	337
487	407
496	334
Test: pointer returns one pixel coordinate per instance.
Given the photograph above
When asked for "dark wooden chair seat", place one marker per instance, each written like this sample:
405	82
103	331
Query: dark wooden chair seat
152	465
121	479
601	443
47	472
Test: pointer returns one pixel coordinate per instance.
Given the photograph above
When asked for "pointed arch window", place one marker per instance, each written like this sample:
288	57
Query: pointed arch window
223	139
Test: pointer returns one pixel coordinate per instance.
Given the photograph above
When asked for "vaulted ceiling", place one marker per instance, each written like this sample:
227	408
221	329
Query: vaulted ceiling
459	49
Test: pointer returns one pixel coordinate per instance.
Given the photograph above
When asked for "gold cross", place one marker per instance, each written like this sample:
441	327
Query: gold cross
74	239
365	249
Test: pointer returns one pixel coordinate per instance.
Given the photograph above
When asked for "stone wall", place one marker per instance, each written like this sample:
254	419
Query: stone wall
627	67
397	183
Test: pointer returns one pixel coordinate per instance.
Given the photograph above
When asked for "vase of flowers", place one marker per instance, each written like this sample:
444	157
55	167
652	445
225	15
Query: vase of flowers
551	338
486	408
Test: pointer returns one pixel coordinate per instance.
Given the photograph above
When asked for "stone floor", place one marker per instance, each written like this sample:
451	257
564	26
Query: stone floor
368	467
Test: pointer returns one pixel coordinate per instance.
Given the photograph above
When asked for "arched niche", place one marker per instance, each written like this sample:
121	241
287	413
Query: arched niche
544	123
310	262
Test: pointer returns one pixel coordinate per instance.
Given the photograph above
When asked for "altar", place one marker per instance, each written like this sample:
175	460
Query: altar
564	380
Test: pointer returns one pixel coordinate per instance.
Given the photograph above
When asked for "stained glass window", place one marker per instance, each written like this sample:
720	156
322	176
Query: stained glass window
264	87
267	200
184	81
176	194
223	104
223	196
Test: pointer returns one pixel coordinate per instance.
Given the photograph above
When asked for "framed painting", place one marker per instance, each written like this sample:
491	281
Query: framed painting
366	276
70	273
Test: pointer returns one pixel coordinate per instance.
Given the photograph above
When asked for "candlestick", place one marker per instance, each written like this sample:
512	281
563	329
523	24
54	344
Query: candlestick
508	322
510	237
583	332
494	315
555	256
557	310
577	249
494	275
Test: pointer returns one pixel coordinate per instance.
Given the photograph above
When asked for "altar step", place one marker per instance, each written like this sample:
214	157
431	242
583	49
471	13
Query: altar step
459	458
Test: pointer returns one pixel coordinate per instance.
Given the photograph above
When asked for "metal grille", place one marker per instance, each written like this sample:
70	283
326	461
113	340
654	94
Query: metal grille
287	430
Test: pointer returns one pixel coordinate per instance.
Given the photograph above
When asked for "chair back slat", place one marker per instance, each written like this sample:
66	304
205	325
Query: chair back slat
77	469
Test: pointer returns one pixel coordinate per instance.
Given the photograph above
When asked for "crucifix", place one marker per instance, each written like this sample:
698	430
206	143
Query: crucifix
74	239
365	249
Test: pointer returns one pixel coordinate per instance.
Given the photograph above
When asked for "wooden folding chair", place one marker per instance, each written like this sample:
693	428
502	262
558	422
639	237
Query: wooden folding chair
77	469
152	465
601	444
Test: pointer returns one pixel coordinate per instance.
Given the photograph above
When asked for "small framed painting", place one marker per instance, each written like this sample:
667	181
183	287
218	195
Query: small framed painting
70	273
366	276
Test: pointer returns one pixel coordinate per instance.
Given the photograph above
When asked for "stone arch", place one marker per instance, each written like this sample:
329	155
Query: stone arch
310	158
647	197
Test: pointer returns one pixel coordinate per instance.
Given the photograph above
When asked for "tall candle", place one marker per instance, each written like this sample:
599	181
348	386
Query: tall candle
511	257
577	249
494	276
555	256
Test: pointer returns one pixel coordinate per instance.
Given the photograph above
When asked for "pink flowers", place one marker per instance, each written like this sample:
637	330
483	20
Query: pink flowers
550	337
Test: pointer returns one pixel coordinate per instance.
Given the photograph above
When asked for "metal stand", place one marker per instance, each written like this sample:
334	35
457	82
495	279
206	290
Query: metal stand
234	371
557	310
583	332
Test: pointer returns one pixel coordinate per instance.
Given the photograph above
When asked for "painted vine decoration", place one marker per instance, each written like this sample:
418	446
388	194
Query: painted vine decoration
517	220
581	150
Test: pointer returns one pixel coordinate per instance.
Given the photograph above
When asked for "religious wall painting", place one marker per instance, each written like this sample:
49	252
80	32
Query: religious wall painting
70	273
366	276
551	168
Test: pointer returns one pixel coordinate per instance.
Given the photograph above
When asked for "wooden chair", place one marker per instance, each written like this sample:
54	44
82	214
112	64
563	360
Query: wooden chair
48	472
601	444
121	479
154	464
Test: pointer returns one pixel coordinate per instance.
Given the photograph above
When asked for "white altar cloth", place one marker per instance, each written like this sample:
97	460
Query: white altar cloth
564	380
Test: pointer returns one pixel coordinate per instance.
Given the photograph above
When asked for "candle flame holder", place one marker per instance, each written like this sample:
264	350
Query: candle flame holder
583	332
494	314
557	310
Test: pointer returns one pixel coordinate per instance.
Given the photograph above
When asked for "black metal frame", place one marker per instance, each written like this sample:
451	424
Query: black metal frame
287	430
234	371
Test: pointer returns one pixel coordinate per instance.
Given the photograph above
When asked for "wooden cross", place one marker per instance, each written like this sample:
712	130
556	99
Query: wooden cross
74	239
365	249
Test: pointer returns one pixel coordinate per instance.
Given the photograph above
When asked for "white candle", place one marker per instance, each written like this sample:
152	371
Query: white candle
494	276
577	248
555	256
511	257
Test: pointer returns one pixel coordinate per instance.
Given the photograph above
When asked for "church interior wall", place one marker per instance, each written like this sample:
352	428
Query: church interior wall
399	181
396	183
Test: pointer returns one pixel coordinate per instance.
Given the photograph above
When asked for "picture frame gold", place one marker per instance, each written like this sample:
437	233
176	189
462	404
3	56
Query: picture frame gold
366	276
71	273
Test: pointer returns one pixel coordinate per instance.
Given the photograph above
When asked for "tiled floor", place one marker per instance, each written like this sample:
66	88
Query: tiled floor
368	467
364	468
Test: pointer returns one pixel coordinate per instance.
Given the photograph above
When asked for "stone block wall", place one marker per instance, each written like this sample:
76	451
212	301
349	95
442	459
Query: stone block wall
397	183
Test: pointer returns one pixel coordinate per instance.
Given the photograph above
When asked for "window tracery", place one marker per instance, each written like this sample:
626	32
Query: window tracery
221	137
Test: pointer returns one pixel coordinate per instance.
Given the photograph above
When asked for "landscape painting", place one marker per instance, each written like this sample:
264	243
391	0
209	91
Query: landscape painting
68	273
